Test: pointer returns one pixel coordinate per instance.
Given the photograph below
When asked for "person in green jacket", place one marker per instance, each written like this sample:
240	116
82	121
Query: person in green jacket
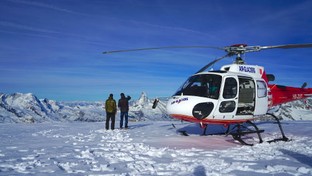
111	109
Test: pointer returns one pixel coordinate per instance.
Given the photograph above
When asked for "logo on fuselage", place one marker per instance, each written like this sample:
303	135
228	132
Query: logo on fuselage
179	100
247	69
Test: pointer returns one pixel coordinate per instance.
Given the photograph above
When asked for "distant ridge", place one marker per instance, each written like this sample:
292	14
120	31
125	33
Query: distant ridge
27	108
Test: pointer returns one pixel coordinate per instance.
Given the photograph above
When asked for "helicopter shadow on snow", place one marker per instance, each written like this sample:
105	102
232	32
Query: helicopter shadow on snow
214	132
195	129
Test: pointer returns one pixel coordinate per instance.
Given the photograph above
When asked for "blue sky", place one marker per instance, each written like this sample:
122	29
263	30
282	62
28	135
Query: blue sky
53	48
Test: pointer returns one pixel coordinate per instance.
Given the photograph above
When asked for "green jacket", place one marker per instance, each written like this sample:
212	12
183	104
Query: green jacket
110	105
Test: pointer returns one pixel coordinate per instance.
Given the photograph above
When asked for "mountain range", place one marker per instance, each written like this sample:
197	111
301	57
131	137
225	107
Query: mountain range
27	108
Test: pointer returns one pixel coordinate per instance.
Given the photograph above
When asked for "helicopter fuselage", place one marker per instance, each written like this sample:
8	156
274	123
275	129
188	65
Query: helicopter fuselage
234	94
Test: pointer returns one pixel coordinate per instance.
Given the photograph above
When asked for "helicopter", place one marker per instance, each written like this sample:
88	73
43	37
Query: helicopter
234	96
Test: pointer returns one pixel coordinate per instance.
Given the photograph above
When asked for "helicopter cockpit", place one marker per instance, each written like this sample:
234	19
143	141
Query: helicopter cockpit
224	94
202	85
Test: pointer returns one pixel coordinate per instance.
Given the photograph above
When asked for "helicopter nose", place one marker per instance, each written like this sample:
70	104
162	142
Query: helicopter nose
202	110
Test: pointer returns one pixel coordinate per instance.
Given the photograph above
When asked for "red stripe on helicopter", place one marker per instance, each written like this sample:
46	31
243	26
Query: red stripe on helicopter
264	76
209	121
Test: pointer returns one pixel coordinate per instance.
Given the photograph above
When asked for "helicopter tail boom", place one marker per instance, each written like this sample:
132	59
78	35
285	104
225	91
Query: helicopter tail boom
284	94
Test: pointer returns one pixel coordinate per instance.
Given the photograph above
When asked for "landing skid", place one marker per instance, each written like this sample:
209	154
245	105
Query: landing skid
239	132
184	133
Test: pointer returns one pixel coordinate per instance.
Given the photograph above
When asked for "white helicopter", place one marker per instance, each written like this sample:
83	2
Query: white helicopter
233	96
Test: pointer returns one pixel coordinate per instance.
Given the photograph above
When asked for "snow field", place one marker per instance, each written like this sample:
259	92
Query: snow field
88	149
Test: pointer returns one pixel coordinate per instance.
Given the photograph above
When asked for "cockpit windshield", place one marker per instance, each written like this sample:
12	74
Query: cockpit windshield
206	85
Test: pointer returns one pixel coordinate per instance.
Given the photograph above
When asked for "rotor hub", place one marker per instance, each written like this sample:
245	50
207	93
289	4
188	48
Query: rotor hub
236	49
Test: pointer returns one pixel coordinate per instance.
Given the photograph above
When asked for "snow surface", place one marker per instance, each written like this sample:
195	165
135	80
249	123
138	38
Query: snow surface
149	148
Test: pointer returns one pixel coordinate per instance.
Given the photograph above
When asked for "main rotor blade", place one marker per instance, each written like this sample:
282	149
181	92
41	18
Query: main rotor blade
213	62
158	48
289	46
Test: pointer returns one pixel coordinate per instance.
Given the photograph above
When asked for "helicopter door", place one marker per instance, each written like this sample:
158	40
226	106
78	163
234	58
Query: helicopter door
228	100
246	98
261	98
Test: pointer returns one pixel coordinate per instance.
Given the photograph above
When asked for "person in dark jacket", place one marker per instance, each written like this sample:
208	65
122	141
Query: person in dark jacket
123	105
111	109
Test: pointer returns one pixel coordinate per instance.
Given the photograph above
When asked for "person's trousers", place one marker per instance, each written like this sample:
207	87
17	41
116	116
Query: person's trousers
122	116
110	117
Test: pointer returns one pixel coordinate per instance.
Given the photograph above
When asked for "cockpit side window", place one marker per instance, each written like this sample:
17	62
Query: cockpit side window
261	89
230	88
206	85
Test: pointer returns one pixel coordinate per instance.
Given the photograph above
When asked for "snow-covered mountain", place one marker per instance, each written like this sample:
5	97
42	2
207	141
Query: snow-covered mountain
18	107
297	110
27	108
142	108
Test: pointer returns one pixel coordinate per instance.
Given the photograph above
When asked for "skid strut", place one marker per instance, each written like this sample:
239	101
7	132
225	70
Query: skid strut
283	138
240	130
